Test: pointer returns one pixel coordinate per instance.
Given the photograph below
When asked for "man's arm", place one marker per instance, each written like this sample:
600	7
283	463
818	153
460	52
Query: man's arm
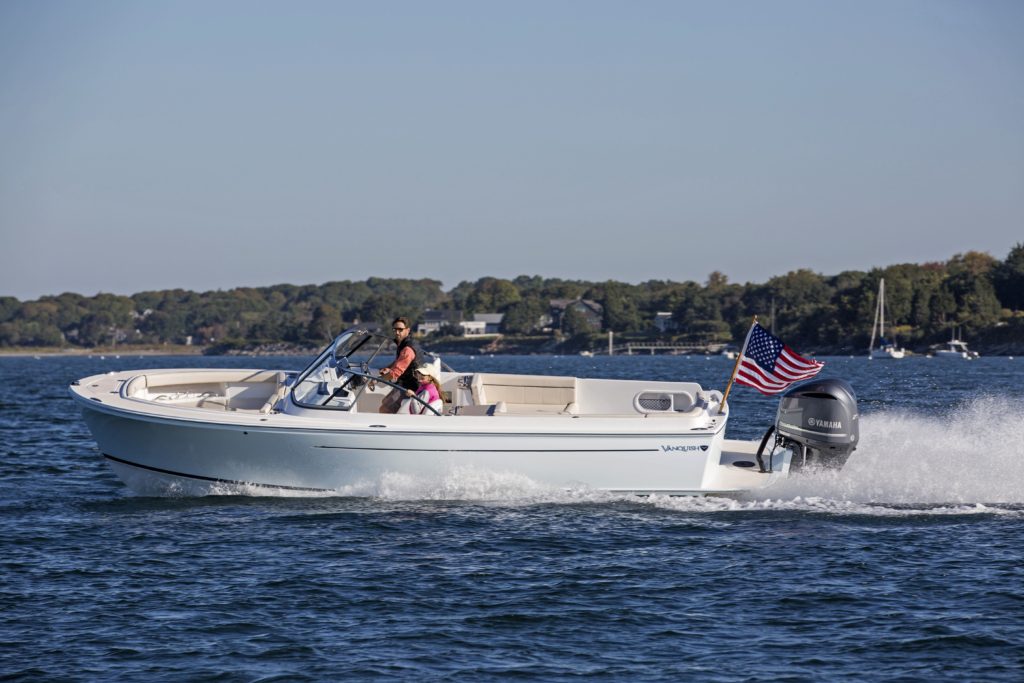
398	367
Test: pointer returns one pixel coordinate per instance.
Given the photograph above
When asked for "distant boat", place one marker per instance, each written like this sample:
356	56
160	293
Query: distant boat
885	349
956	349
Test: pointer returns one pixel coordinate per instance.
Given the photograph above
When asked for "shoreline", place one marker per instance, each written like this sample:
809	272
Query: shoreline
85	353
152	352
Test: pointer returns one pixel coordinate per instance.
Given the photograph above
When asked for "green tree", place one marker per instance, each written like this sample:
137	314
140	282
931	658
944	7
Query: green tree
491	295
9	306
970	284
523	317
383	308
97	329
1007	279
35	333
165	324
620	311
10	334
575	323
563	289
269	327
326	323
799	295
943	307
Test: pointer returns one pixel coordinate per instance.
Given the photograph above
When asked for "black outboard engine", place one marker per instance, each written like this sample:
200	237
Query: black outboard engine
818	420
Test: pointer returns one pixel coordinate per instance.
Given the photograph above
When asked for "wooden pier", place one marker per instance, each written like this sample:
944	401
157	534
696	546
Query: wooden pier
669	348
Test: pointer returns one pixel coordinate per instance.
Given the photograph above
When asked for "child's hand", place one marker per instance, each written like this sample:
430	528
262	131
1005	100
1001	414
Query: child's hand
410	393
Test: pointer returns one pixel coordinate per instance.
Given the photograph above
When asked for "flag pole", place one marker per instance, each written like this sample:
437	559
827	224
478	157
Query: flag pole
736	367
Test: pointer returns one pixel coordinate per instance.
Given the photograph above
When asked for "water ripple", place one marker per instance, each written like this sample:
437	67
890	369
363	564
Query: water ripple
907	566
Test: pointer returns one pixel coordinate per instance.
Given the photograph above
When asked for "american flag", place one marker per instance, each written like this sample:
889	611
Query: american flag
770	366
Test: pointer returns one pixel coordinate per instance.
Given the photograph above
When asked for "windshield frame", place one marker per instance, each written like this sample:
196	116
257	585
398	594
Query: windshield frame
332	368
349	342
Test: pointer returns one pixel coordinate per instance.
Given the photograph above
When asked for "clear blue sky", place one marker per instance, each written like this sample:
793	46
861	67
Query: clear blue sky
204	145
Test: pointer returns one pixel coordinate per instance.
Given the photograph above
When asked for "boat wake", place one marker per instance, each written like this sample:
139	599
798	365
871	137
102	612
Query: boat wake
970	454
964	461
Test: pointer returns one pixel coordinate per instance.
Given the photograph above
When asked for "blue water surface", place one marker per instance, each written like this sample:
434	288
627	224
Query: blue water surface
905	566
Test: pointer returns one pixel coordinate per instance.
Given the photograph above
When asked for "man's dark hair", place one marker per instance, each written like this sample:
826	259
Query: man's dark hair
403	320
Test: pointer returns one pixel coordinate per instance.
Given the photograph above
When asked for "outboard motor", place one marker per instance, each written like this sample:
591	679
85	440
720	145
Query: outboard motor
819	421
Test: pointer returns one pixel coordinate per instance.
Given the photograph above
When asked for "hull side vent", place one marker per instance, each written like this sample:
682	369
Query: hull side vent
654	403
661	402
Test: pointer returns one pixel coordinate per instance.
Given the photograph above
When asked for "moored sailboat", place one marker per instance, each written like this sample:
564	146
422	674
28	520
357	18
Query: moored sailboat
885	348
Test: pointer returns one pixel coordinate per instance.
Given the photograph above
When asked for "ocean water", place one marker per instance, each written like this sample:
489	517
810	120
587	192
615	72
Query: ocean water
908	565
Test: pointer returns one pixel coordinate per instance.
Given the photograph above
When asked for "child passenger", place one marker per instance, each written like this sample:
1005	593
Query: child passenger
429	391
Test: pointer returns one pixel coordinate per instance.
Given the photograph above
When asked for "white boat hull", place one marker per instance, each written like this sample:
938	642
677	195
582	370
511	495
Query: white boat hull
165	457
945	354
955	350
162	449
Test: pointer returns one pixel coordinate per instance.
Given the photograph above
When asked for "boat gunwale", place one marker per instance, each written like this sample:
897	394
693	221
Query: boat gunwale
252	421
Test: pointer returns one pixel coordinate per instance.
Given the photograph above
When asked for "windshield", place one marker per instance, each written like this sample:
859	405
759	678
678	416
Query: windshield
328	382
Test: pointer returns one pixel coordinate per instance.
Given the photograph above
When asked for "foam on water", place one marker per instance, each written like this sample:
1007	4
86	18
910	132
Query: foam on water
965	461
832	507
969	460
972	454
906	559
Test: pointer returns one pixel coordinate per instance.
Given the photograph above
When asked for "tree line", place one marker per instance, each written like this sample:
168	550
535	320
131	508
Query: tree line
973	291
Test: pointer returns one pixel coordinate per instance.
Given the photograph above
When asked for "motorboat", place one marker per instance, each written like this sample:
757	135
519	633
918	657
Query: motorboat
956	349
320	432
885	349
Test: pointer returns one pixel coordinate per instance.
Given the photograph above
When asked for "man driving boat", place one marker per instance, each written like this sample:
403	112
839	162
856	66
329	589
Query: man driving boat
401	370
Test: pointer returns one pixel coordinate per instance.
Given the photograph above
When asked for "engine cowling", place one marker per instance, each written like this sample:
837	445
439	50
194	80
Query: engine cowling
820	422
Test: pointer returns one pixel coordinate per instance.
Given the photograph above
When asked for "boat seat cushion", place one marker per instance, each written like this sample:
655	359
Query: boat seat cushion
536	408
524	390
161	380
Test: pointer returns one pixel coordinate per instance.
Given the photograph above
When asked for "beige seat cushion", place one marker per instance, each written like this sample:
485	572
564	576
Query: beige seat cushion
524	390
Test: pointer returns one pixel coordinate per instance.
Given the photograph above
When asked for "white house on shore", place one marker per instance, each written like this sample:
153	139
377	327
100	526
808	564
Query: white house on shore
435	320
491	321
482	324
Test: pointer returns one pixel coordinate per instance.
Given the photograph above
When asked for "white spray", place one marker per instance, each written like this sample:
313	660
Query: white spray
974	453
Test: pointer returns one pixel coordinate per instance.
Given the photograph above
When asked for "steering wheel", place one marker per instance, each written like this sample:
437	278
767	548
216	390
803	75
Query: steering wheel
338	367
336	362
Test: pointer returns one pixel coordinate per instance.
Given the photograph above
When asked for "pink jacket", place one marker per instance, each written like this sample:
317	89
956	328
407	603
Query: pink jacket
426	392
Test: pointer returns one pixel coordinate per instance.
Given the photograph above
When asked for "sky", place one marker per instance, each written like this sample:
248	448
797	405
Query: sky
212	145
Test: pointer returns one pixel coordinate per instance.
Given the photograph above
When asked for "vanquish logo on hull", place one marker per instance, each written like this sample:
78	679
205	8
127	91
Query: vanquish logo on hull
682	449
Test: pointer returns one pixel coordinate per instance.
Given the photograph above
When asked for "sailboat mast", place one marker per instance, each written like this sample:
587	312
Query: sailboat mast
881	308
874	326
